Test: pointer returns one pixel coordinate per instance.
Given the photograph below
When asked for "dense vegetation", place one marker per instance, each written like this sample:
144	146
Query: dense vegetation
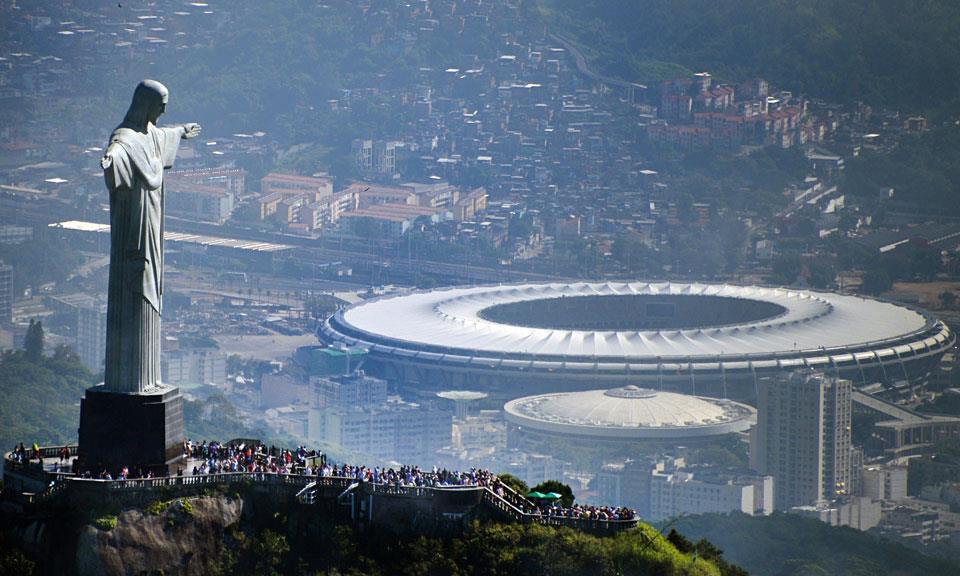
897	53
789	545
923	170
485	550
40	400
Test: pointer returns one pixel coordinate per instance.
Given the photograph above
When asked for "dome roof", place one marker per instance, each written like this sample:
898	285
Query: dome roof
462	395
630	412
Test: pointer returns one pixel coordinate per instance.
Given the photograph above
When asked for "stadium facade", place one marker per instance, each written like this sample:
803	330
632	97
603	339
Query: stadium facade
701	339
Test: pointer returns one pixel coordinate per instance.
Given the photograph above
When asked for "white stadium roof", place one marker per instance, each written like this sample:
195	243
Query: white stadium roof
547	331
450	319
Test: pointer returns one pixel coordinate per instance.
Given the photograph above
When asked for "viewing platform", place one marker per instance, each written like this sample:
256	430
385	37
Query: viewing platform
40	487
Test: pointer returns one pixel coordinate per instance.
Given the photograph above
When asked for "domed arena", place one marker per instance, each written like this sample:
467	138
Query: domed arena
628	414
701	339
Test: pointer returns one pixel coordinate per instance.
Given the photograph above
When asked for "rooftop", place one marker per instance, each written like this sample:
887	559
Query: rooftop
630	412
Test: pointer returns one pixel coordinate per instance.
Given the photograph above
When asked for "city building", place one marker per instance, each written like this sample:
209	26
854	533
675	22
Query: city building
233	180
323	361
704	339
680	492
288	185
859	513
389	220
356	390
191	366
884	482
11	234
6	293
896	431
355	413
803	437
396	431
193	201
627	484
92	335
280	389
378	157
665	488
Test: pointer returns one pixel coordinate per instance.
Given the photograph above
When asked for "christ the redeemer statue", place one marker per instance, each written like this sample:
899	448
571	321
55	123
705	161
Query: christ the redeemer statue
133	166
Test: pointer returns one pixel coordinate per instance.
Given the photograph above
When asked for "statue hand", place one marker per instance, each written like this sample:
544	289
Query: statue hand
191	130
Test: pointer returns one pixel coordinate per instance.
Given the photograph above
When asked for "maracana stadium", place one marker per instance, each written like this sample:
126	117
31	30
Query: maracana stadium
701	339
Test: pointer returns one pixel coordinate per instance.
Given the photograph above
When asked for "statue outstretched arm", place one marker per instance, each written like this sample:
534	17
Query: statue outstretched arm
191	130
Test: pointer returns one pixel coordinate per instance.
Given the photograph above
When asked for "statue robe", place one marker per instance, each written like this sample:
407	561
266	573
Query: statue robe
134	164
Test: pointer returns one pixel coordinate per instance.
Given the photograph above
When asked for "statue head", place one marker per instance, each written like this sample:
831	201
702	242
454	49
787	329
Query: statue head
149	102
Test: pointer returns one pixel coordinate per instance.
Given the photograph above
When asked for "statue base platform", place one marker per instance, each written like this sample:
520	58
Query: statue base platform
139	431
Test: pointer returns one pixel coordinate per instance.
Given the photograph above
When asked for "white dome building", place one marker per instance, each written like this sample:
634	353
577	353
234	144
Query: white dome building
629	414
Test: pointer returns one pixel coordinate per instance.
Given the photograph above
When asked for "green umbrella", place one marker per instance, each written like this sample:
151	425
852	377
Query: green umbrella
538	495
552	496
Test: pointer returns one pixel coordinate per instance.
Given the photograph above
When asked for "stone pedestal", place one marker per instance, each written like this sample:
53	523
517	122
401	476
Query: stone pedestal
139	431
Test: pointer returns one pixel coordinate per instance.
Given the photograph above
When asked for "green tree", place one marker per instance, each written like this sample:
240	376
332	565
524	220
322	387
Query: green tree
564	490
513	482
271	550
786	268
822	274
876	281
39	399
948	298
33	341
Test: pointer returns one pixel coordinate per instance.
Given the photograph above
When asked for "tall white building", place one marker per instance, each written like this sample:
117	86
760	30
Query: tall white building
6	293
92	335
802	437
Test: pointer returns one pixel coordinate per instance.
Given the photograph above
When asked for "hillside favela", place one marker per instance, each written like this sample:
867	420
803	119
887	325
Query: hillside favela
479	287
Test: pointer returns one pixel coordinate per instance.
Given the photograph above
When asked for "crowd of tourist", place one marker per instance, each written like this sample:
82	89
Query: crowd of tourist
21	455
579	511
207	458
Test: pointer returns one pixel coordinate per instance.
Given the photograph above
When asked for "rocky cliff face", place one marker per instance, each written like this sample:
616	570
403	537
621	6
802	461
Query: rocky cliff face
182	537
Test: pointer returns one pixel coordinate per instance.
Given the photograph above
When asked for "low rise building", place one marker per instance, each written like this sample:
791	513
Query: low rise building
191	366
202	202
666	488
860	513
388	220
884	482
287	185
282	390
898	431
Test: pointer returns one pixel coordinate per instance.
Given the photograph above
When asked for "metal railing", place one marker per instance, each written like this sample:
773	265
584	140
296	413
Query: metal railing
509	502
45	453
590	524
